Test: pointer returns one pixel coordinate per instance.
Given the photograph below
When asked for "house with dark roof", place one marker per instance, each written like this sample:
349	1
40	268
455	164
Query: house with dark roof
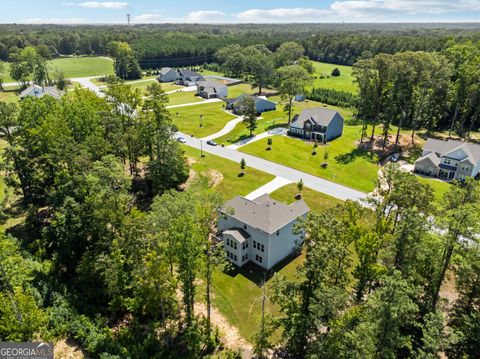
449	159
262	104
38	91
260	230
317	124
188	77
211	89
167	74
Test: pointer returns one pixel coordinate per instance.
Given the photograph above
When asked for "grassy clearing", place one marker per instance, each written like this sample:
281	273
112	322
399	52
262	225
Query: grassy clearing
82	66
347	164
231	184
183	97
316	201
10	95
344	82
5	74
240	89
188	119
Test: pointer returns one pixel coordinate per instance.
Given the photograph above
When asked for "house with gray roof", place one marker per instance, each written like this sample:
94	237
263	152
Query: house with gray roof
449	159
188	77
262	104
38	91
317	124
167	74
211	89
260	230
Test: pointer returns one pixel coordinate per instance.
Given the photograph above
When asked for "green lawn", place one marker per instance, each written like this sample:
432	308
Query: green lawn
347	164
82	66
272	119
188	119
439	187
182	97
9	96
5	75
240	89
344	82
316	201
210	73
73	67
231	184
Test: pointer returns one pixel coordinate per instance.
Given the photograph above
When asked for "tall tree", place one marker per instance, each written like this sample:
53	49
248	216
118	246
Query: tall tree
246	108
291	81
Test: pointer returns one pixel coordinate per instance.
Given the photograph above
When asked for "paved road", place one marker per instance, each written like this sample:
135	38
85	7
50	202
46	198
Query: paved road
318	184
86	83
196	103
269	187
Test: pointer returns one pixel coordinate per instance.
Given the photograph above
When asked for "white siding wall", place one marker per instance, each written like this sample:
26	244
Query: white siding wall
282	245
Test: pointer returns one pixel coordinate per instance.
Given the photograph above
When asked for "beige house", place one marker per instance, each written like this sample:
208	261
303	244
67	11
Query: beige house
449	159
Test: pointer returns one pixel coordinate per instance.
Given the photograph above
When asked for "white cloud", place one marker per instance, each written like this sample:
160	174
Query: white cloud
283	15
98	4
67	21
148	19
200	16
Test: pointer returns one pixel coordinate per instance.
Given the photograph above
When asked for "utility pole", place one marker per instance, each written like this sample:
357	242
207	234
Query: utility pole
128	19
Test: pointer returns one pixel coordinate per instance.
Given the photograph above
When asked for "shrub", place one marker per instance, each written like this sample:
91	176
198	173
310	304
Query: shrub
335	72
332	97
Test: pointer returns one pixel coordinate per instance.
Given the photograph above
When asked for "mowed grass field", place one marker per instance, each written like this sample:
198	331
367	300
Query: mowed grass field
323	77
183	97
315	200
240	89
226	173
188	118
72	67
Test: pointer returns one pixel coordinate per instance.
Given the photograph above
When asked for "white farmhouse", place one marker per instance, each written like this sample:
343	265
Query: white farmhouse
261	230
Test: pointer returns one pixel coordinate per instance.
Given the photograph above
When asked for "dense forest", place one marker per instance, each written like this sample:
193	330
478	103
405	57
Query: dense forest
183	44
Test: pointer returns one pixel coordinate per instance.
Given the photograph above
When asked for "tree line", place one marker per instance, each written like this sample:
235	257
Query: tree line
420	90
372	280
192	44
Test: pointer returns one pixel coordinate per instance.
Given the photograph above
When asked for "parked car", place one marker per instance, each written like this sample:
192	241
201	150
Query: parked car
395	157
181	140
211	143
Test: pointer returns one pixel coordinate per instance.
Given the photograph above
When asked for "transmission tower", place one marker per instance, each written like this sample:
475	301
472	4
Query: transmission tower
128	19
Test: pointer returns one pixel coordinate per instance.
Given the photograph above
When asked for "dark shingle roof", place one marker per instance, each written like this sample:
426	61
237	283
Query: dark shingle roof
318	115
443	148
265	213
188	73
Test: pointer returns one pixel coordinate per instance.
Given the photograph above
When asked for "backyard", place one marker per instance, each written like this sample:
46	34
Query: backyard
183	97
323	77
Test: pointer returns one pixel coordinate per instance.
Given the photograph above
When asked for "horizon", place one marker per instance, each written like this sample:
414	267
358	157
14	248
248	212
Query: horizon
215	12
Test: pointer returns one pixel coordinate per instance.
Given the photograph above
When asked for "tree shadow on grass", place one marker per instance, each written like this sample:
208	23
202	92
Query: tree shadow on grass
257	274
351	156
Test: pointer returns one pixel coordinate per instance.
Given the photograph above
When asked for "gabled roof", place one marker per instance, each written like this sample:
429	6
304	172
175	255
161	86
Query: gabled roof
317	115
430	158
188	73
39	91
265	213
257	99
165	70
444	148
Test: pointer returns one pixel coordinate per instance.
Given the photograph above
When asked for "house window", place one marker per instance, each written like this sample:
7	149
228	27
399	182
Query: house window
258	258
234	244
262	248
278	232
235	257
244	245
244	226
447	161
228	241
255	244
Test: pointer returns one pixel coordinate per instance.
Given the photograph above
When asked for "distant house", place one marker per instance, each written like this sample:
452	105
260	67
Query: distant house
318	124
449	159
40	91
211	89
188	77
262	104
261	230
167	74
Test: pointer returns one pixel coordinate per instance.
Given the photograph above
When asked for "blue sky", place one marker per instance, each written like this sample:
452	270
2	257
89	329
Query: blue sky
235	11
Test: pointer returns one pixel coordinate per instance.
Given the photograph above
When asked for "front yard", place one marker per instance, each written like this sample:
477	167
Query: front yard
315	200
187	118
183	97
347	165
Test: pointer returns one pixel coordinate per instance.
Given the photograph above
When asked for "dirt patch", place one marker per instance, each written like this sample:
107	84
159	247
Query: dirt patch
64	349
215	177
191	177
228	333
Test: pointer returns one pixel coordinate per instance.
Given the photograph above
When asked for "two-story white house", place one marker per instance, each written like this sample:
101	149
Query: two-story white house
260	230
449	159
